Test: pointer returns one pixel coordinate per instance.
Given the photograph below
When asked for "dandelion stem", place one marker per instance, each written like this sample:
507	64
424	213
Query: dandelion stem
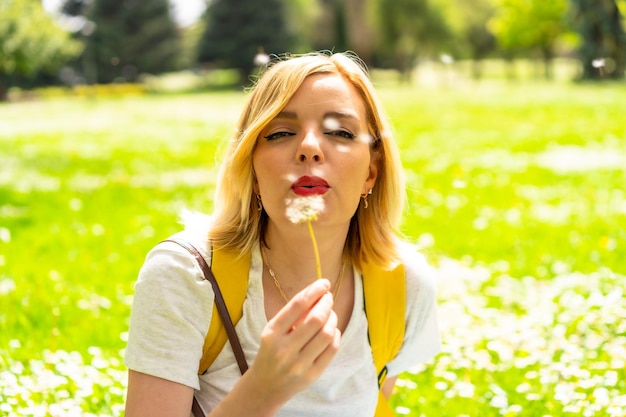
318	266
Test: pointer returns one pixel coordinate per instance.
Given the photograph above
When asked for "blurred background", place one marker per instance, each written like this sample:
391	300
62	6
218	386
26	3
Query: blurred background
85	42
509	115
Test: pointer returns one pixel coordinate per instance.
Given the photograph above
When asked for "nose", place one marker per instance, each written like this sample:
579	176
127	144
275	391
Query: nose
310	148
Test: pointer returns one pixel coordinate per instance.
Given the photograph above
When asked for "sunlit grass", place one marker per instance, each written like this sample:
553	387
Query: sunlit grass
522	185
524	346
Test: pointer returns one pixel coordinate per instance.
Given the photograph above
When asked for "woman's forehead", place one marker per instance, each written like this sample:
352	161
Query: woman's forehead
331	92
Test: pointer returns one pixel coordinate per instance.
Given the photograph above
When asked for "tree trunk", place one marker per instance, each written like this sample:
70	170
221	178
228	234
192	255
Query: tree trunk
548	59
4	93
600	26
477	69
359	34
324	35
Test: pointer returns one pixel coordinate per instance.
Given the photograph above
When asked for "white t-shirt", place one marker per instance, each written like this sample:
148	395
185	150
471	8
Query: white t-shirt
172	309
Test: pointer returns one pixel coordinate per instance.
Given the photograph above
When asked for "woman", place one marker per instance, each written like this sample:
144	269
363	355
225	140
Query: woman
312	126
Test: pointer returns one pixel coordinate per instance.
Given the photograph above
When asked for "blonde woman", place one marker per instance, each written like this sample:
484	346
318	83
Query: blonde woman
311	129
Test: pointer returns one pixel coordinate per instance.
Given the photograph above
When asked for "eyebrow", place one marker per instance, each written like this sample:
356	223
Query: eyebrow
292	115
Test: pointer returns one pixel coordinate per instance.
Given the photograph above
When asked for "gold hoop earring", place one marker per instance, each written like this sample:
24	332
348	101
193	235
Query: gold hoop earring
259	203
364	197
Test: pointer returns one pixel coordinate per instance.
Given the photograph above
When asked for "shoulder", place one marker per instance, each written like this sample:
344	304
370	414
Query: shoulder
196	228
421	337
172	306
168	260
420	276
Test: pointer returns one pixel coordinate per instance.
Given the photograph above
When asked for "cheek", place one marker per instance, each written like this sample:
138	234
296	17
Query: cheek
363	165
264	170
269	173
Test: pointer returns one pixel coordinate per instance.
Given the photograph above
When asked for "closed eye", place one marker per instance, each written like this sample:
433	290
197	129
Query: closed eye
278	135
341	133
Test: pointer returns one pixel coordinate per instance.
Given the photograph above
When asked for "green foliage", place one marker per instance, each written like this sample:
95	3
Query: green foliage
408	29
129	39
524	24
600	24
236	30
467	21
515	194
30	41
300	23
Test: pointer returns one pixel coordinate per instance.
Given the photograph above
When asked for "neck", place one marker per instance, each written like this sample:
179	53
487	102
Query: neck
290	250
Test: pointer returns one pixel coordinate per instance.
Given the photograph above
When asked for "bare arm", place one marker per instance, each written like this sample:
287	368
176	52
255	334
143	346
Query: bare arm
388	386
152	396
296	347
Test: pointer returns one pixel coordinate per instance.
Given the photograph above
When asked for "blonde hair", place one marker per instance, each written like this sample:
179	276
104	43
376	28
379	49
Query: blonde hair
238	225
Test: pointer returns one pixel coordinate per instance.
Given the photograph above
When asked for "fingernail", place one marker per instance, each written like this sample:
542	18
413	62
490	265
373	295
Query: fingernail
318	285
325	283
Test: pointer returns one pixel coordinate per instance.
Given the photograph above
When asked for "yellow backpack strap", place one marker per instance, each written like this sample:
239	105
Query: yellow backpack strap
231	271
385	306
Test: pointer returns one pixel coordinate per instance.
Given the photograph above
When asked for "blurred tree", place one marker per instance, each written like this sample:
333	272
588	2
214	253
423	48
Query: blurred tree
523	25
407	29
125	38
600	25
328	23
471	38
359	27
30	42
330	26
346	25
300	23
236	30
76	7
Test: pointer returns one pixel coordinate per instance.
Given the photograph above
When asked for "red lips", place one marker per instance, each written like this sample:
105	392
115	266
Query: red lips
306	186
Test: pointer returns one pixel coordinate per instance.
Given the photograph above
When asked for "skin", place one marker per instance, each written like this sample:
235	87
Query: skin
302	336
317	137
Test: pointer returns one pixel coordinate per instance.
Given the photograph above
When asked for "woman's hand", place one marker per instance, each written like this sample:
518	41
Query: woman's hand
297	345
300	341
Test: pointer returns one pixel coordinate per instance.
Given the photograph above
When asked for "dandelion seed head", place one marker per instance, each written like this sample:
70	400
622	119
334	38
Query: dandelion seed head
303	209
598	63
446	59
291	177
331	123
343	148
365	138
261	59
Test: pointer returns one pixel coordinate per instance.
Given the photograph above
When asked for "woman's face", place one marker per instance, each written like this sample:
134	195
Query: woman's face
317	145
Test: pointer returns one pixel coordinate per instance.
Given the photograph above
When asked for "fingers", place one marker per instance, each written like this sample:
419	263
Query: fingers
293	313
300	341
316	319
325	340
307	325
317	337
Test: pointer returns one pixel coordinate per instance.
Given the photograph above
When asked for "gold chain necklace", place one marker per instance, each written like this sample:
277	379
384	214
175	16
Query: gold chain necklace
282	292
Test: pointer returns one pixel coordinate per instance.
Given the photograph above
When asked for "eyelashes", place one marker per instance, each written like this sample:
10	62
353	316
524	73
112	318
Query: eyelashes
278	135
343	134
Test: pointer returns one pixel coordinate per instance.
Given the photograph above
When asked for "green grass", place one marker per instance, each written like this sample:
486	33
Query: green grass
516	193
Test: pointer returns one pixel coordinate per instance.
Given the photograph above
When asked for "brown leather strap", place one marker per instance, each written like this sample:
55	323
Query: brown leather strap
196	409
222	311
219	303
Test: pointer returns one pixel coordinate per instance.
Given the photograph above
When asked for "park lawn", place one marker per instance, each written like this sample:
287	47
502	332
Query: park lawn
515	193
